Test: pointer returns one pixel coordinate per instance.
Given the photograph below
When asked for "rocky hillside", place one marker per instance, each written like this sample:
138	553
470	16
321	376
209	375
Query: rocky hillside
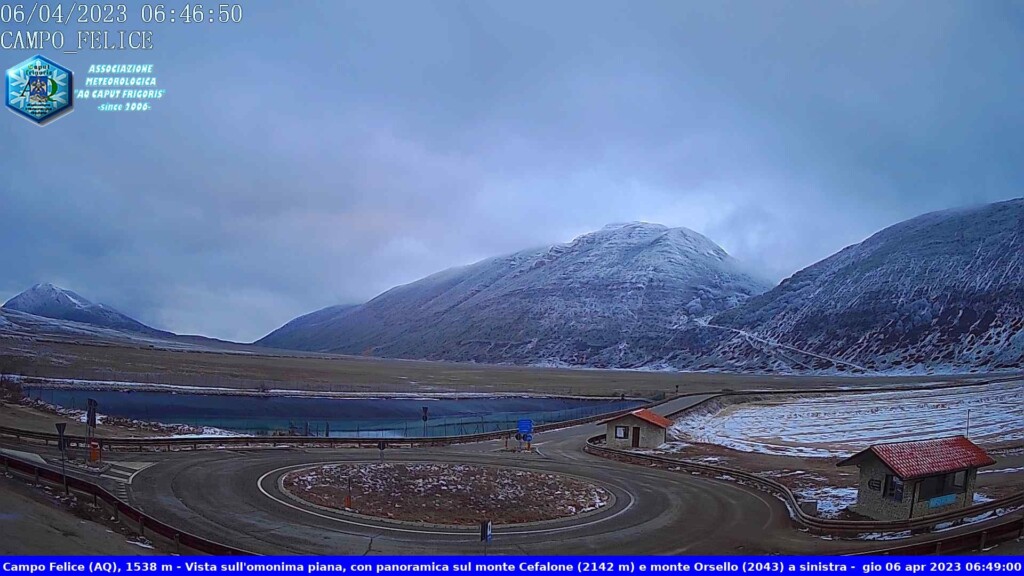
941	292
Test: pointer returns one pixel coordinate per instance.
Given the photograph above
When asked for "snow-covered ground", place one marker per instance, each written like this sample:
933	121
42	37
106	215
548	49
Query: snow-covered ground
831	501
1002	470
837	425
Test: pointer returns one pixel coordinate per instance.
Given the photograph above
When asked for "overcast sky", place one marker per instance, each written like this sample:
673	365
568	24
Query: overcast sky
320	153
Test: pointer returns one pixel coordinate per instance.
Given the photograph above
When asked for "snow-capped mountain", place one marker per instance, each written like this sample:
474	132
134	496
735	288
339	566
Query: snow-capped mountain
50	301
943	291
612	298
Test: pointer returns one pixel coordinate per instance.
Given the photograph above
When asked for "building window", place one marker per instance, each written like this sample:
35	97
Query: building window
933	487
944	485
621	432
893	489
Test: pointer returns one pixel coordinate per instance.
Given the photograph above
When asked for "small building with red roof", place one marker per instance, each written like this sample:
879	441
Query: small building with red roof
638	429
903	480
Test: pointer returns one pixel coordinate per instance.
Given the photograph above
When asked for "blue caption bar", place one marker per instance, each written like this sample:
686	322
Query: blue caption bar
270	565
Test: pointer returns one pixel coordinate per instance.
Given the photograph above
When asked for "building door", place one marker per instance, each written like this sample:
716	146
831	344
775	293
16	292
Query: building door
636	437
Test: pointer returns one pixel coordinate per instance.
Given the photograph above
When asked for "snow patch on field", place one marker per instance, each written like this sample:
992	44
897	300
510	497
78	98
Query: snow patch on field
1002	471
832	501
838	425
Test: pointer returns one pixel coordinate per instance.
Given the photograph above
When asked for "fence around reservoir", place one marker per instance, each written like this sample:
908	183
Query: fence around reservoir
195	443
1009	528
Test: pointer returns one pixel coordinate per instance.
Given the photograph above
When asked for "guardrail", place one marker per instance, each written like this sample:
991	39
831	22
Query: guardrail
1013	528
121	509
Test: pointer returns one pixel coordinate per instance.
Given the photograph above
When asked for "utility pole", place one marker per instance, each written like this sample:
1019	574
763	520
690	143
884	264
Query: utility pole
968	435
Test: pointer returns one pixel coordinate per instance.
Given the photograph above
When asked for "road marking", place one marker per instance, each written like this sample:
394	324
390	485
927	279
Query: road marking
147	465
468	532
125	471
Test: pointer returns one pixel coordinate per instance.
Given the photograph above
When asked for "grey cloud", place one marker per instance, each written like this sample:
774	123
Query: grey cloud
323	152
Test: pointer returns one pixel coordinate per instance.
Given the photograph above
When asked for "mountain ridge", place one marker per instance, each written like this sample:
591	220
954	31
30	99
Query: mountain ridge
50	301
580	303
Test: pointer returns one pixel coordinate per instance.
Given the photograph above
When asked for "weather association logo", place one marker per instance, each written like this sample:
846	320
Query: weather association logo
39	90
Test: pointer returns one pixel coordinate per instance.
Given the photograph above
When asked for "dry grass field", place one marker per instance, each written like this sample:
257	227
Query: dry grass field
260	368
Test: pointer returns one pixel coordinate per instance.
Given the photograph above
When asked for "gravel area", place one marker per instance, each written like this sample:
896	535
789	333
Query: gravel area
450	494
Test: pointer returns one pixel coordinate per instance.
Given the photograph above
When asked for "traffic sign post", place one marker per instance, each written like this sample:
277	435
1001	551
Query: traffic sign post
425	409
63	447
91	414
381	446
525	432
94	453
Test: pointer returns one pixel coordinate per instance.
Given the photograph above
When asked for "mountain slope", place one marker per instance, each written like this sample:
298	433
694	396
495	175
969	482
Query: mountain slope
943	291
50	301
306	331
612	298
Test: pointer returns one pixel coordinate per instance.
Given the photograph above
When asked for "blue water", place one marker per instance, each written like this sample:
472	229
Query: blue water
338	417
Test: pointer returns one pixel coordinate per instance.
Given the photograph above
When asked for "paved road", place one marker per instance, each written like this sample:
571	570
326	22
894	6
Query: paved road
216	495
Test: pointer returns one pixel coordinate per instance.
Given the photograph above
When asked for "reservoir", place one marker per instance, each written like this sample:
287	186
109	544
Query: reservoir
337	417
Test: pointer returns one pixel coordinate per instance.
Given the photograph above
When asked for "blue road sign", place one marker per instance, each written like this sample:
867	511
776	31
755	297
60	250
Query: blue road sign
528	437
525	426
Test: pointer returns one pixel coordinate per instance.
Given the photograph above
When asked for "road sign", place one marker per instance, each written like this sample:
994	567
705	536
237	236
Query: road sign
525	426
424	413
91	417
382	445
519	435
528	437
485	531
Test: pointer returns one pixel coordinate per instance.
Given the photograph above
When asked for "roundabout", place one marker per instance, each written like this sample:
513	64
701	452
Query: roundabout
619	501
